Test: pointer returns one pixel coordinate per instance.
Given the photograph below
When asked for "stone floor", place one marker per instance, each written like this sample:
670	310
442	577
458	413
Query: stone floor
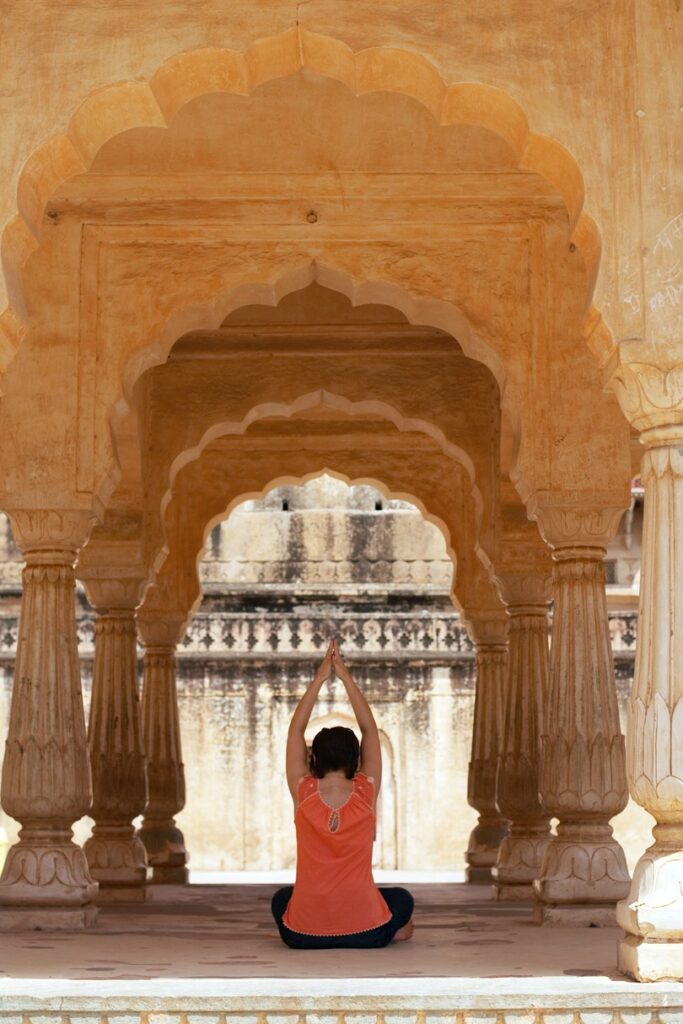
215	948
211	931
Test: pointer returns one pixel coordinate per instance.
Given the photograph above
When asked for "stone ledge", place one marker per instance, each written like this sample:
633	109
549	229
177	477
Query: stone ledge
528	1015
599	1000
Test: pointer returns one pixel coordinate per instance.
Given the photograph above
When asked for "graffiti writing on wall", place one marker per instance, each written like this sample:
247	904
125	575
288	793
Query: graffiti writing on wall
667	256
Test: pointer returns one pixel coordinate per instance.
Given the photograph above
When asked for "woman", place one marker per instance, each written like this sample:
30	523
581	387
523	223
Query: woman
335	902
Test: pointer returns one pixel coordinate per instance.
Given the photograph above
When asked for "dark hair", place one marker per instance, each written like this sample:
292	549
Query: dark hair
333	750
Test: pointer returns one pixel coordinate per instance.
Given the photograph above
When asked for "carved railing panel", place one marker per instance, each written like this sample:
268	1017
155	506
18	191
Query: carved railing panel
435	635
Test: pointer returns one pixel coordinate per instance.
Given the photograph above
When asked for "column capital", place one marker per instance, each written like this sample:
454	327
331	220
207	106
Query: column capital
567	524
525	590
162	631
43	533
111	566
487	627
112	588
648	382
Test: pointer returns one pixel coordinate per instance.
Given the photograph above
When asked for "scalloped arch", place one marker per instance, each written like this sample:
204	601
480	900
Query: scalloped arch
114	109
269	292
154	598
304	403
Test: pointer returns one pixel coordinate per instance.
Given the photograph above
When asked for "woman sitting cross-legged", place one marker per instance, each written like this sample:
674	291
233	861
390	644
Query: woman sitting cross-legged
334	902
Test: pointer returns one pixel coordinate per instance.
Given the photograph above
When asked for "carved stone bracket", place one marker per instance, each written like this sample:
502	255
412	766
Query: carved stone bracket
487	627
163	631
568	525
59	532
648	383
111	566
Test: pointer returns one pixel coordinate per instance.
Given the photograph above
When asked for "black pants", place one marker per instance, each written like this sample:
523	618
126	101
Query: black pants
399	901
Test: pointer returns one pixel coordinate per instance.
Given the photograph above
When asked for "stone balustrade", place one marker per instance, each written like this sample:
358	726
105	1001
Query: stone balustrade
435	635
400	635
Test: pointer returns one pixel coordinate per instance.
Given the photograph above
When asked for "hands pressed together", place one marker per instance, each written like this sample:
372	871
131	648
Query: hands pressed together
332	660
297	757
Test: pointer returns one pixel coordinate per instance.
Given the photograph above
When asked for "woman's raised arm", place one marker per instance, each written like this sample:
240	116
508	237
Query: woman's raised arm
370	749
297	758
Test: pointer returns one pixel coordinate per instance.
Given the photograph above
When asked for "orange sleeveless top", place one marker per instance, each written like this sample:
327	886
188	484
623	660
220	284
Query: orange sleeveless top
334	892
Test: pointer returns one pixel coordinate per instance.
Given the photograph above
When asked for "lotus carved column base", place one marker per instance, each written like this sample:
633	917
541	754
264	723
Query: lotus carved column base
117	861
583	876
519	861
166	853
652	913
46	885
482	849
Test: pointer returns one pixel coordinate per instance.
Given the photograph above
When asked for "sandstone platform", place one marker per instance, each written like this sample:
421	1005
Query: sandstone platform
210	955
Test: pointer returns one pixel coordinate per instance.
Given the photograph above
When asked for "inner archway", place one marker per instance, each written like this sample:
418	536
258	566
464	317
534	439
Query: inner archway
279	576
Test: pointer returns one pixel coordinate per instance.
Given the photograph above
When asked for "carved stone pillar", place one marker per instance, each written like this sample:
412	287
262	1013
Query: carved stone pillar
521	852
582	778
46	785
117	758
652	913
163	840
113	576
489	633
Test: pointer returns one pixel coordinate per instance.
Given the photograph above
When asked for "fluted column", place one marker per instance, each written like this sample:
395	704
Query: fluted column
521	852
652	913
163	840
46	783
582	778
489	633
115	854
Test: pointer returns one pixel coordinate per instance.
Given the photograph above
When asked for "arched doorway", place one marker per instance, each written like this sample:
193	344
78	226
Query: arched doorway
276	583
